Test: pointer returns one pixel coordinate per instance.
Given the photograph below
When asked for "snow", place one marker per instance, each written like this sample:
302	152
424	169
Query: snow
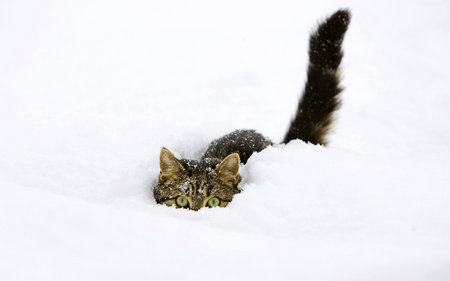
91	90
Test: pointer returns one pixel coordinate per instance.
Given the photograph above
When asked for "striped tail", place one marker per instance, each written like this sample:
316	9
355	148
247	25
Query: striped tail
320	98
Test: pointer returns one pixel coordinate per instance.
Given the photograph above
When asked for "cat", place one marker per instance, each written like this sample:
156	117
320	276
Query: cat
213	180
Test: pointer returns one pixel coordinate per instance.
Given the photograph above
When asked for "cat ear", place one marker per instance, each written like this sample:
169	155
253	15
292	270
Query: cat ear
170	167
228	169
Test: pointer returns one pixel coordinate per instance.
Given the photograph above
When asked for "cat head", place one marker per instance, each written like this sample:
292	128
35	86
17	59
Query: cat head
195	184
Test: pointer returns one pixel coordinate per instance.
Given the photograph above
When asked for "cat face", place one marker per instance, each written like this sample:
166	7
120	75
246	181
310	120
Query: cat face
195	184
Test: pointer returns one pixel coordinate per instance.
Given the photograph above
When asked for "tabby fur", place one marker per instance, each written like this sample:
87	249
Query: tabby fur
213	180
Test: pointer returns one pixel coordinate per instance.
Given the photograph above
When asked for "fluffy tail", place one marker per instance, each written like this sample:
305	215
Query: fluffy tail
320	98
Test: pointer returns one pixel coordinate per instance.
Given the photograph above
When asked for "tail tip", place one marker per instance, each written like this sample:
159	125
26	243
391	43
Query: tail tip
340	18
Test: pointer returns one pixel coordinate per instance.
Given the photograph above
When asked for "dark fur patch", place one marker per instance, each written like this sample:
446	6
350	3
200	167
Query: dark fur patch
242	142
321	94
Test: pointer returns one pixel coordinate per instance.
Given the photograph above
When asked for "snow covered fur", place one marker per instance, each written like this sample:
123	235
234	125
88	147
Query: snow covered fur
213	180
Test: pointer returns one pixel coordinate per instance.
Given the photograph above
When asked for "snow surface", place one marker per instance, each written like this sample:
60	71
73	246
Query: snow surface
91	90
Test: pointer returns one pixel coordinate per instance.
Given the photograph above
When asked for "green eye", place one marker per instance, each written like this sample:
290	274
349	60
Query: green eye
213	202
182	201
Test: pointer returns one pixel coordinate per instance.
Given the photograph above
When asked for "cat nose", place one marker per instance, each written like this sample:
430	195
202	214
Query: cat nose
197	203
195	208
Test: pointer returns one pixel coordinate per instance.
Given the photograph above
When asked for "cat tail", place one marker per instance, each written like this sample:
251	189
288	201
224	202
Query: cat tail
320	99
